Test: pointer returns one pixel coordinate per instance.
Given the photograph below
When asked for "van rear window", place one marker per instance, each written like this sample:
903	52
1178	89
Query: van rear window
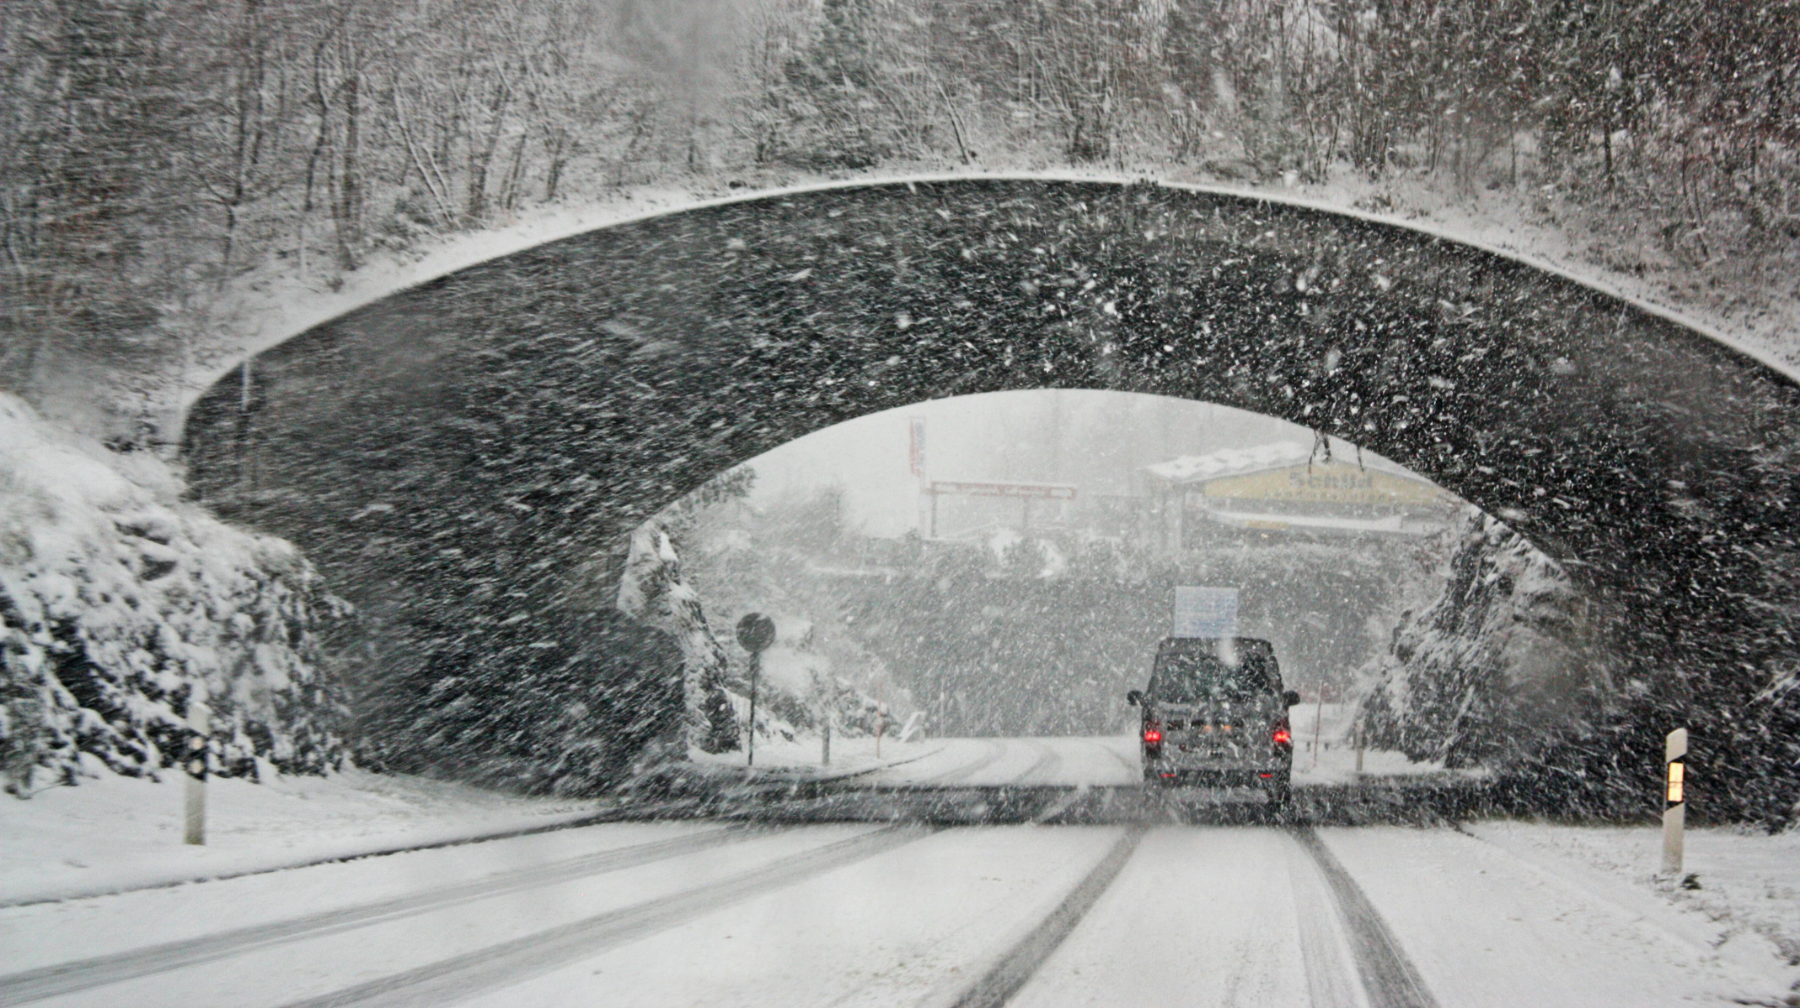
1195	677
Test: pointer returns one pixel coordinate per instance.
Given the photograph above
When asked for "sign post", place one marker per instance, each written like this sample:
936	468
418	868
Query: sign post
755	632
1318	725
199	720
1674	799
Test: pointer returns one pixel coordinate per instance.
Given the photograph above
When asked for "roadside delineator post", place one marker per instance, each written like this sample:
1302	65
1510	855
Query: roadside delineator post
193	763
1318	723
825	691
1674	800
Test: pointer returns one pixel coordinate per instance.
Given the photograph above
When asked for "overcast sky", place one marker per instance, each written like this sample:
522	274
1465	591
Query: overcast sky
1094	440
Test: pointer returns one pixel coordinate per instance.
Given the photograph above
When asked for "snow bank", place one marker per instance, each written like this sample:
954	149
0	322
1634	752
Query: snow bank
796	683
1325	750
120	605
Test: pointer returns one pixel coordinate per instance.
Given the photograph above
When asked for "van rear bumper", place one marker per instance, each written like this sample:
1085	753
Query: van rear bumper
1217	778
1216	773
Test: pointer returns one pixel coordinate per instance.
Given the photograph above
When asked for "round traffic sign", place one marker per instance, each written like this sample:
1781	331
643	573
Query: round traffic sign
755	632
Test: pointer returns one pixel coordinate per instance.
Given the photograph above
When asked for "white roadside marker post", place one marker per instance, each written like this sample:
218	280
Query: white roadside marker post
1674	800
1318	721
199	721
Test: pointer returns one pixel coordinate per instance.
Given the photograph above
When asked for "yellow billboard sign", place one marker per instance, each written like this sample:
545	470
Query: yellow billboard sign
1325	482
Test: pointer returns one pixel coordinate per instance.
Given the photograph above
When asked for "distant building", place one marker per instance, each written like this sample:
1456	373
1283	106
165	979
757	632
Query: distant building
1288	490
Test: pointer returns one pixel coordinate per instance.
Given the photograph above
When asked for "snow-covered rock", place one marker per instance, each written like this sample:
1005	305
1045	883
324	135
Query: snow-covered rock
1490	666
654	592
120	605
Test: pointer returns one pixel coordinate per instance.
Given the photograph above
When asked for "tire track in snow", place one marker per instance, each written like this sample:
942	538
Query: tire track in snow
463	976
1004	978
962	773
1043	769
85	974
1135	767
1331	978
1389	978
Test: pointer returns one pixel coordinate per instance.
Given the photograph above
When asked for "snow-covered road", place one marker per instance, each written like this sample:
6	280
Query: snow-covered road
718	913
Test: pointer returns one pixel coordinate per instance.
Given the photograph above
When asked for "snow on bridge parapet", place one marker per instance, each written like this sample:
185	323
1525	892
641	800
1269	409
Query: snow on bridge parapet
286	309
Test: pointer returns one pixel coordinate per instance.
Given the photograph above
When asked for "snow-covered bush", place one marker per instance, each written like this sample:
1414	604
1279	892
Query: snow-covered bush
120	605
1490	666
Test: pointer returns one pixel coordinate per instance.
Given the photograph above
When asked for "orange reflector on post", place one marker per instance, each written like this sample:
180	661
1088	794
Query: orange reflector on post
1674	801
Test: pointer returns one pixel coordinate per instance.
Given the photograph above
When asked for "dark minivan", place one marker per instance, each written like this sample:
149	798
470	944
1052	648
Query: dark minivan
1215	714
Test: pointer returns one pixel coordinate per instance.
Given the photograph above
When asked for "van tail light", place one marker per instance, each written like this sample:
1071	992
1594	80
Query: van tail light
1152	735
1283	737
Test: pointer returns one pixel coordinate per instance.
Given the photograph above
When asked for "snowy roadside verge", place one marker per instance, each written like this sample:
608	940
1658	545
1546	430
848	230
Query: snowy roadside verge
117	833
1747	903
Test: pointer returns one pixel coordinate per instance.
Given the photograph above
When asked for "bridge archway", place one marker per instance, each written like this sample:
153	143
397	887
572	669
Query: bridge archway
451	453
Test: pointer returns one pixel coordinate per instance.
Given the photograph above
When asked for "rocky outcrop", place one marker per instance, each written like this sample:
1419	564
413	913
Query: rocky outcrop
1493	664
120	606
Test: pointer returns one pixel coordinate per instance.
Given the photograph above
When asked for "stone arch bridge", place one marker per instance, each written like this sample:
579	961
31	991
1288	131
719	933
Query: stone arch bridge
455	456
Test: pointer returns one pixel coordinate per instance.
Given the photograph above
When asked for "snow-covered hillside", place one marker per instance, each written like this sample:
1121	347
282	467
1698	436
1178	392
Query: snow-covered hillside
120	605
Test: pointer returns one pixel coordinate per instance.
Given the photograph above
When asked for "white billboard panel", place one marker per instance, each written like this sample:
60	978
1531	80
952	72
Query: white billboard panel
1205	612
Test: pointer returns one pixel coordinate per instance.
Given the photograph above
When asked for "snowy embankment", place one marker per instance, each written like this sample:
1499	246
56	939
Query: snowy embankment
121	605
799	691
1493	666
117	833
